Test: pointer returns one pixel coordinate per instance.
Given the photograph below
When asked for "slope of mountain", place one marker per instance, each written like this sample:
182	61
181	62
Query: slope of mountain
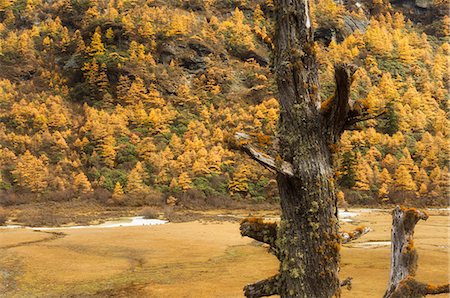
132	102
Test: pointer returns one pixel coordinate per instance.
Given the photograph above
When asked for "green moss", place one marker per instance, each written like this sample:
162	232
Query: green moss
314	207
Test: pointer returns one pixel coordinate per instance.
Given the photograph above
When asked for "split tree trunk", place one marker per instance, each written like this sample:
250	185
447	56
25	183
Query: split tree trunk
404	258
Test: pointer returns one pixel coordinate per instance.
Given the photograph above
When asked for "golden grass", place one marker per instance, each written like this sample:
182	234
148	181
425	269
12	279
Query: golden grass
189	260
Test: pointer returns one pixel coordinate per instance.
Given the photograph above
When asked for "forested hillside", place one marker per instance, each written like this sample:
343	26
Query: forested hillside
134	102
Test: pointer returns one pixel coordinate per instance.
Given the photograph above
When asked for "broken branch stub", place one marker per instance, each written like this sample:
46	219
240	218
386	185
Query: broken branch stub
404	257
262	288
261	231
280	166
357	233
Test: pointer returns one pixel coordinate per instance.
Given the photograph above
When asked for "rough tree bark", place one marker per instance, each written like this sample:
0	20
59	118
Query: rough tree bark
404	258
307	239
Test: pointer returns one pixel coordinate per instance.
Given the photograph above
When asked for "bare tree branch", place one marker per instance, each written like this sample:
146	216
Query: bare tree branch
434	290
259	230
266	232
409	287
347	283
353	119
280	166
357	233
266	287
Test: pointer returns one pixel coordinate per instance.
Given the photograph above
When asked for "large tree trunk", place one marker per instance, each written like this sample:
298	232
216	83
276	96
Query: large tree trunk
308	234
307	241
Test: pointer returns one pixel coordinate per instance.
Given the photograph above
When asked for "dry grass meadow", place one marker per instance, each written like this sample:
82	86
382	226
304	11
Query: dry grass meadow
193	259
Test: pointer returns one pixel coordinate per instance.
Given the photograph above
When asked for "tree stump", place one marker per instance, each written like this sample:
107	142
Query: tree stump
404	258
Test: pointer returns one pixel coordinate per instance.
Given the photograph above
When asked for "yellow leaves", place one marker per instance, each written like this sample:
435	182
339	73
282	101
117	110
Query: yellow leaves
379	39
403	179
135	179
180	24
81	183
138	54
238	35
363	173
327	13
39	116
96	48
239	183
118	193
31	173
184	95
108	151
102	124
159	118
183	181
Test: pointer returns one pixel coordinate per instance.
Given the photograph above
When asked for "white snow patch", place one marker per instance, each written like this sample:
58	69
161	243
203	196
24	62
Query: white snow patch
123	222
358	4
345	216
371	244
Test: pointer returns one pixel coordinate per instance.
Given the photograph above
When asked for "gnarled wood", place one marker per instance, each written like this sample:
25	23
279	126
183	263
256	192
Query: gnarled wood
308	237
266	232
347	283
259	230
266	287
409	287
347	237
269	162
358	116
336	109
404	257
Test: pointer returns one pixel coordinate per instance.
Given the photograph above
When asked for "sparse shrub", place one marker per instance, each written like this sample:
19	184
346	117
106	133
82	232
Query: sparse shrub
3	216
149	213
36	217
143	198
192	199
170	214
10	197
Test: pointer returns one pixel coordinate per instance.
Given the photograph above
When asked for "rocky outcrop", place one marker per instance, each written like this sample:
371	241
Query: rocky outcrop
189	54
351	23
424	3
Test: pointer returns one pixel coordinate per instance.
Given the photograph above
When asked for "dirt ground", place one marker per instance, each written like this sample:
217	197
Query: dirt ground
193	259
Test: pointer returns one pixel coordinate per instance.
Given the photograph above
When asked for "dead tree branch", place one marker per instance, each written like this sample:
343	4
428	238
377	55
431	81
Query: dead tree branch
354	118
357	233
347	283
409	287
266	287
280	166
259	230
336	109
266	232
404	257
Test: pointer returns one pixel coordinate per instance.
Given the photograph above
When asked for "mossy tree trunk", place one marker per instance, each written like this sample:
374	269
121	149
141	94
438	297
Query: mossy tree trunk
308	233
307	241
